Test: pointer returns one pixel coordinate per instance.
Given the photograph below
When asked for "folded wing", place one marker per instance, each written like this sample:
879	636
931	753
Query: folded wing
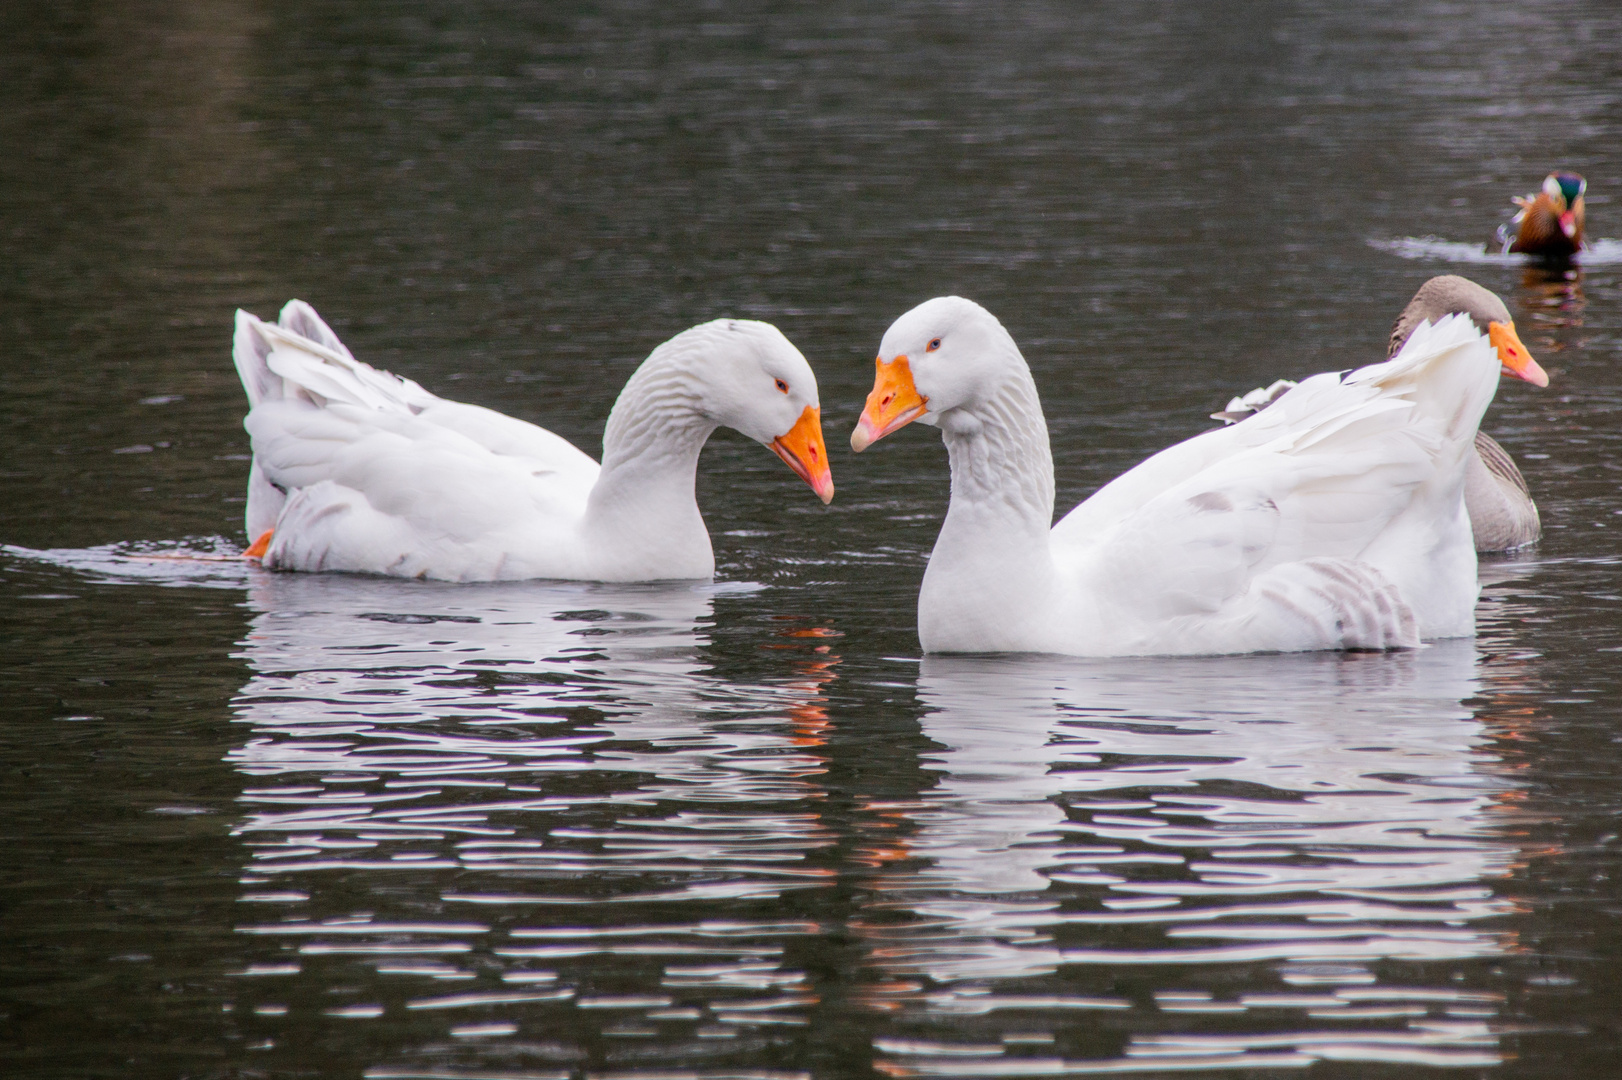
357	468
1341	504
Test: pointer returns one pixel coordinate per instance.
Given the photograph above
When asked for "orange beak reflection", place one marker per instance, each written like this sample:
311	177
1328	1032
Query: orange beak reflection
893	404
803	450
1515	357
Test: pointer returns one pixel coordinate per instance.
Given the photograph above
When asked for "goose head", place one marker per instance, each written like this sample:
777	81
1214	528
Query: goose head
945	355
751	378
1450	294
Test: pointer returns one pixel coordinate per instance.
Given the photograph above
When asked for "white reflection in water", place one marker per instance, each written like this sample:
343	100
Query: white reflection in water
1313	817
525	769
500	817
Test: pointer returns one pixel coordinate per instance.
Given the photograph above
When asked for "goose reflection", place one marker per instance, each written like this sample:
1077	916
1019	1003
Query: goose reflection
538	793
1263	836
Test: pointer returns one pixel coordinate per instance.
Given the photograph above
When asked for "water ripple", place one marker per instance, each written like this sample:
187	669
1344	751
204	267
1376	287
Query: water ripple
541	754
1321	817
1600	252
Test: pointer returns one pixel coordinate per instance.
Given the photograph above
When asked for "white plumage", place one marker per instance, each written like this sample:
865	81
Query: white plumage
357	469
1503	516
1333	519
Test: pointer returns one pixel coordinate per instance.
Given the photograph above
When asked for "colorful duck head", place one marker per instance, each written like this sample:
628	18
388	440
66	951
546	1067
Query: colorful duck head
1550	221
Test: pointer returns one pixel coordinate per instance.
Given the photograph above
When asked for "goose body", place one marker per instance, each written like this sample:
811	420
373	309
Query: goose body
356	469
1503	516
1333	519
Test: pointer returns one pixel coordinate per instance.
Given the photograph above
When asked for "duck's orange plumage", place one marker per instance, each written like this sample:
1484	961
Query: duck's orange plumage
1550	221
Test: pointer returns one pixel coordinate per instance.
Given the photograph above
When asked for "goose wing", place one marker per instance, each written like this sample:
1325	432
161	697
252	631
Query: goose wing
378	463
1352	482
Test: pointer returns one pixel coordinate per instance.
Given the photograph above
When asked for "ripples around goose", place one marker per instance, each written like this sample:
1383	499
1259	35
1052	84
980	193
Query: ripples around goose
569	812
1307	819
529	827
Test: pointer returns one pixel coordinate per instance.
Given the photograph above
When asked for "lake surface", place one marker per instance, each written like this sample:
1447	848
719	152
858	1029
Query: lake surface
263	825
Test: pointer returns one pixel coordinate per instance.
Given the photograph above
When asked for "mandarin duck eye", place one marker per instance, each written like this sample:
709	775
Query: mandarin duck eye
783	386
933	345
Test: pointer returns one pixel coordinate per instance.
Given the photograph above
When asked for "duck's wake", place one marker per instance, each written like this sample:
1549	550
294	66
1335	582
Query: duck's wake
1600	252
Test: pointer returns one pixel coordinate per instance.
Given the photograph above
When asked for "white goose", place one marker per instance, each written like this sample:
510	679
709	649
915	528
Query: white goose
357	469
1333	519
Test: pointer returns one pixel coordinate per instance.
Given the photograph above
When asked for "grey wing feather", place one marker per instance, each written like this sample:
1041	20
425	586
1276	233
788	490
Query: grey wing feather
1499	463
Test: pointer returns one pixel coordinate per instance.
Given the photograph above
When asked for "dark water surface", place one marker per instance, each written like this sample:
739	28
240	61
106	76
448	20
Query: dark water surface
273	826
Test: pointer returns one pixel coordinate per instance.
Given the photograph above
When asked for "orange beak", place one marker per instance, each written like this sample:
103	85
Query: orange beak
803	451
893	404
1568	224
1514	356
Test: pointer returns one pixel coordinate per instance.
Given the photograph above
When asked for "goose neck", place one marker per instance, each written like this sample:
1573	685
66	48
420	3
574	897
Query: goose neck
650	453
991	579
1002	466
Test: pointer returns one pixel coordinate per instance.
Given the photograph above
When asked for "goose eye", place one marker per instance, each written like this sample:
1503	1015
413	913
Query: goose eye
933	345
783	386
